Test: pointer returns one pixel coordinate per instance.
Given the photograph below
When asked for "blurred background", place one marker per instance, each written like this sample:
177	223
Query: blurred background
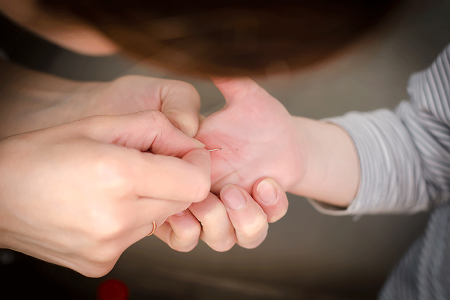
306	255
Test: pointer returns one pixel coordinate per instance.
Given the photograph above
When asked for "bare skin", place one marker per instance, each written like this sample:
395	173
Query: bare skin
259	138
294	151
94	187
32	100
256	135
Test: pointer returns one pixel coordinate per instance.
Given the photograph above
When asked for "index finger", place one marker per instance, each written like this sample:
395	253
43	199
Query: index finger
165	177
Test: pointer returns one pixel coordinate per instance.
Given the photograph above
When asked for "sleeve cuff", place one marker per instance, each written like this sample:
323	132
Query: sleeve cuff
389	164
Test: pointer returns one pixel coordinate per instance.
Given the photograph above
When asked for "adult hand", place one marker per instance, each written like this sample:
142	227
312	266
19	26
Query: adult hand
79	194
31	100
179	101
234	218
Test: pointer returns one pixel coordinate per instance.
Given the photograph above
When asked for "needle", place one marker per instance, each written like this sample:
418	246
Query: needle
215	149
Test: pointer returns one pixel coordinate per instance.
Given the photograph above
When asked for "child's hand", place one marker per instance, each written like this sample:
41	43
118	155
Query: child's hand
258	140
257	137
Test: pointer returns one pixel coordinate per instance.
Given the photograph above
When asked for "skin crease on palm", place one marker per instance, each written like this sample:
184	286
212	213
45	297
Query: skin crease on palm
256	135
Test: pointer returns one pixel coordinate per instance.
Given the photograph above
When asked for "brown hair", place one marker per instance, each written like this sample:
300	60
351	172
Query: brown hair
231	38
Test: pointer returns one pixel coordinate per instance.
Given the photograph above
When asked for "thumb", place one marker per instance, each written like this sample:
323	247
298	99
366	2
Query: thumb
235	90
180	103
146	130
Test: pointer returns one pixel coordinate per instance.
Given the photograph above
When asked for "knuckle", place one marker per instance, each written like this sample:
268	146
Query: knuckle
90	123
104	255
111	173
97	271
184	87
105	232
186	248
202	186
93	267
105	226
255	228
189	233
211	216
159	118
254	243
126	80
183	246
223	246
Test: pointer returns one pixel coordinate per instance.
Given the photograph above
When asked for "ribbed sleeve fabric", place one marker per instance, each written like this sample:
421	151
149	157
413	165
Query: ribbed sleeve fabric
404	154
391	169
405	167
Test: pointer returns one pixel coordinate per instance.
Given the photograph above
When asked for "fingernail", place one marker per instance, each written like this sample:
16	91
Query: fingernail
200	144
266	191
233	197
180	214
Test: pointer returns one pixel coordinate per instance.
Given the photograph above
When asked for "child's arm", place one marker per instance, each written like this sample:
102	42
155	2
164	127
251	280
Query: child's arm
381	161
331	171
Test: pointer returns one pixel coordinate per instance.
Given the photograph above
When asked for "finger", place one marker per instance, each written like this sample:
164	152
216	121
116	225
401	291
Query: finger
164	177
180	103
217	230
143	131
235	90
154	176
271	197
201	118
181	231
147	210
247	217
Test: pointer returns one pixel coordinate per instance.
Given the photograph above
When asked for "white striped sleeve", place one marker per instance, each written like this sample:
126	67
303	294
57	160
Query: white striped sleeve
404	155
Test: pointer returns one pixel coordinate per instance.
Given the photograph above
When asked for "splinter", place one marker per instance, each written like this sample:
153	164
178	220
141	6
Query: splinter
215	149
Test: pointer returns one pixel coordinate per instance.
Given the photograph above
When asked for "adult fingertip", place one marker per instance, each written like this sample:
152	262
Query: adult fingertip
199	153
200	174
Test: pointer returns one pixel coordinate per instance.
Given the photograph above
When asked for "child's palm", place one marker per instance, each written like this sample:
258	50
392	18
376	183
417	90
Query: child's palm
257	137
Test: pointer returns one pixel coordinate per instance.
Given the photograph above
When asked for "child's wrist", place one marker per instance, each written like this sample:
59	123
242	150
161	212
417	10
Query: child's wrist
331	164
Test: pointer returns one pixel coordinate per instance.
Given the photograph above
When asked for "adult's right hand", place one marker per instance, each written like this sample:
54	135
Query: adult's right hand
79	194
